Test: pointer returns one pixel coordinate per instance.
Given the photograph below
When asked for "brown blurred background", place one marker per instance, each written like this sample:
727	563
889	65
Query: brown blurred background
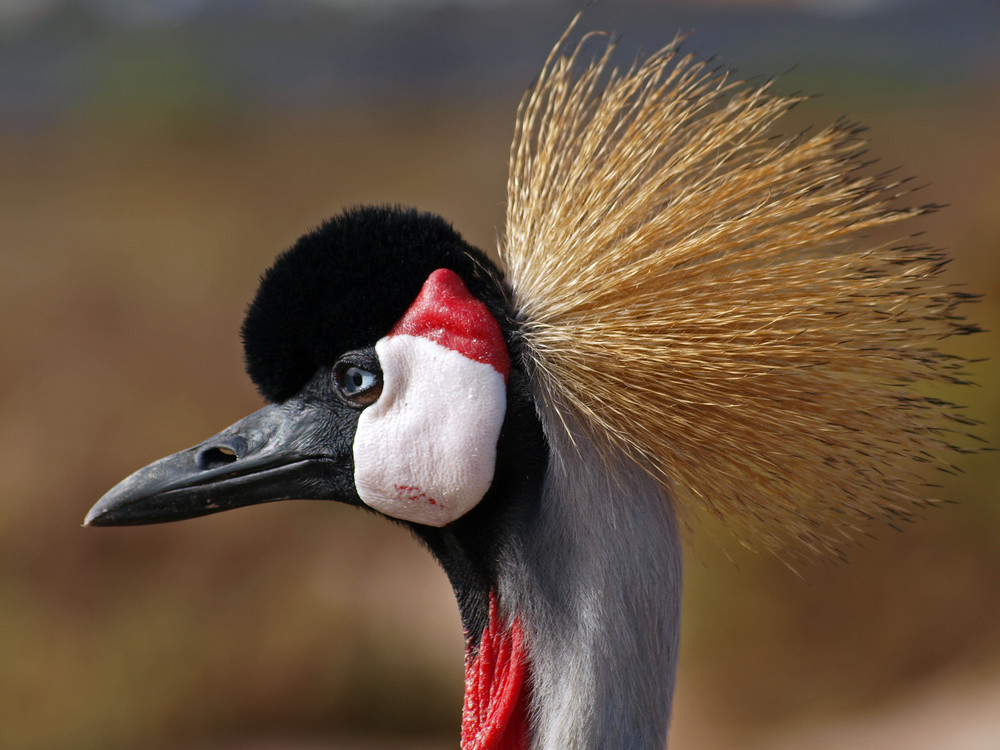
154	156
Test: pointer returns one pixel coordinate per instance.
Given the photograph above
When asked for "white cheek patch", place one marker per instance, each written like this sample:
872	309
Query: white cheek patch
426	450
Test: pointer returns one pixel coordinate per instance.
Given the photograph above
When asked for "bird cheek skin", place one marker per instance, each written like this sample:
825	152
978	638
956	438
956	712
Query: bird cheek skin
425	451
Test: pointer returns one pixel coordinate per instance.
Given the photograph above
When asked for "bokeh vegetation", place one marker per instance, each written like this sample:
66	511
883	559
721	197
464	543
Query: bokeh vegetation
132	233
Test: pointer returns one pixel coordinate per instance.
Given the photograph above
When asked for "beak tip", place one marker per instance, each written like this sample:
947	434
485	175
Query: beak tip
106	510
93	516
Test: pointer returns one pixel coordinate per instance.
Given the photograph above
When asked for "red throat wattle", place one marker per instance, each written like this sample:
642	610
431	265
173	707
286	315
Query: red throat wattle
495	715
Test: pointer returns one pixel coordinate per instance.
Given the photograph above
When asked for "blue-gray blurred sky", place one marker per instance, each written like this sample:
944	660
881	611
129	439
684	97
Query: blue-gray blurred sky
62	57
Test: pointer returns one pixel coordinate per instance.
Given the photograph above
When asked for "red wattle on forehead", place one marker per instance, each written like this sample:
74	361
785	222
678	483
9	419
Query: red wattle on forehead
447	314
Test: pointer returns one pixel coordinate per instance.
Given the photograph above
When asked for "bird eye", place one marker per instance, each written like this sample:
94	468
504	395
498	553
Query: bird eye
359	383
357	380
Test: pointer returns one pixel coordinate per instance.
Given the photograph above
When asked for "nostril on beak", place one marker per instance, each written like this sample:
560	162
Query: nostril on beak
216	456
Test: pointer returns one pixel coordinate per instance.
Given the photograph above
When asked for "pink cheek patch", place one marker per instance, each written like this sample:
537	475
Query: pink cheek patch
426	450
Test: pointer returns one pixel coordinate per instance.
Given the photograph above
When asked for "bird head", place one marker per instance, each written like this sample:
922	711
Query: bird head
388	352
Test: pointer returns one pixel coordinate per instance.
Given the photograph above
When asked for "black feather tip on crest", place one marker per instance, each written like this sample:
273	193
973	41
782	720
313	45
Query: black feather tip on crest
344	285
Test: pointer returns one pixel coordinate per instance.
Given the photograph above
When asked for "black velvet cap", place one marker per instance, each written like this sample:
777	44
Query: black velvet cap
343	286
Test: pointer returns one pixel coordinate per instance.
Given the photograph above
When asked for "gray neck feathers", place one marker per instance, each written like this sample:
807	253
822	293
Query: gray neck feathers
597	585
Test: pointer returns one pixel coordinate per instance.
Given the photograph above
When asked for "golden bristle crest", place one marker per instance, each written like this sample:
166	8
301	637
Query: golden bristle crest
697	294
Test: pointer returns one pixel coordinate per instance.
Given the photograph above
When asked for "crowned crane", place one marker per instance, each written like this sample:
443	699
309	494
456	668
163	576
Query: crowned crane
678	320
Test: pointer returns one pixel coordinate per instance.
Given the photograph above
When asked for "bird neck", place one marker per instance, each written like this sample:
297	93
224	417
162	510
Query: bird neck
592	586
568	580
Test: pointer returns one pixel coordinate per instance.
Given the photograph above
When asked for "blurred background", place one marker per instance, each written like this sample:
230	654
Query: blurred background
154	156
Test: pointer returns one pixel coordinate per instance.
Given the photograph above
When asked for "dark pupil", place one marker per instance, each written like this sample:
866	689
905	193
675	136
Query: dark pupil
357	379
